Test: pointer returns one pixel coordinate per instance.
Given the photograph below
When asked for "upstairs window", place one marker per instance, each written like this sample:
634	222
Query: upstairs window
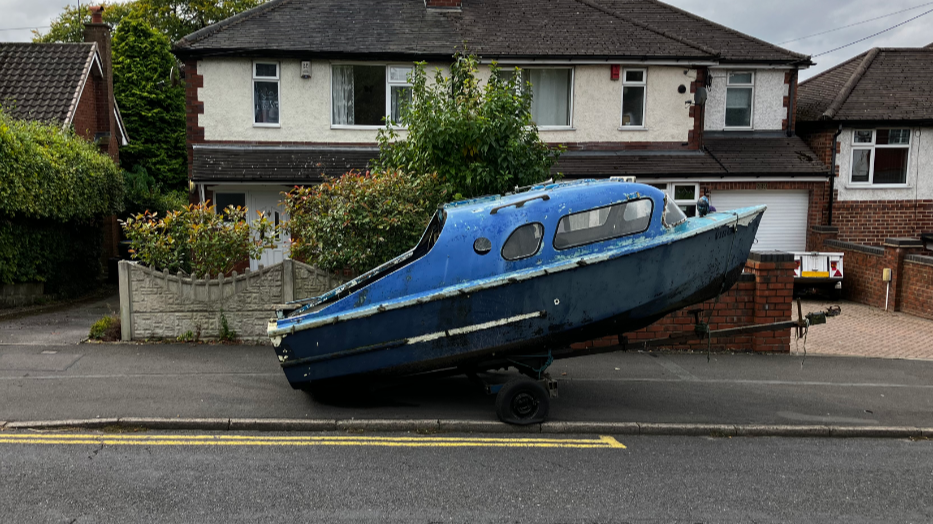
617	220
266	94
365	95
551	95
880	156
739	96
634	83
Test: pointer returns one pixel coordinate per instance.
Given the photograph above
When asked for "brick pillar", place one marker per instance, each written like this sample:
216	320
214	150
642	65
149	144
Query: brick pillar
819	235
774	290
895	250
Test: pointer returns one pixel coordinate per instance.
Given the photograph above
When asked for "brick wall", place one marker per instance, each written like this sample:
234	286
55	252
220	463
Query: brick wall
917	286
863	267
872	221
193	107
85	117
762	295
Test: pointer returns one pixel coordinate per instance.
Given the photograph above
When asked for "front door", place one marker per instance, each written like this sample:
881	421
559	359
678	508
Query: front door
270	203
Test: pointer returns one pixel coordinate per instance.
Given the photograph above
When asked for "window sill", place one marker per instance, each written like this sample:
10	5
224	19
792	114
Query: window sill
878	186
338	126
266	125
633	128
556	128
738	129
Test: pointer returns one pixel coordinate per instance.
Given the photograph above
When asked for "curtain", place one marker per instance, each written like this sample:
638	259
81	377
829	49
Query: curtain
343	95
551	96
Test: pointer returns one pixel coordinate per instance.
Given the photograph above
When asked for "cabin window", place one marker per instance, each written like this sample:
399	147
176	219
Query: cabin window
523	242
618	220
673	213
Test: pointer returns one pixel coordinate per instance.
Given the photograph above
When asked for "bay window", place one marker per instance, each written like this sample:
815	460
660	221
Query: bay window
366	95
266	94
633	98
739	96
880	156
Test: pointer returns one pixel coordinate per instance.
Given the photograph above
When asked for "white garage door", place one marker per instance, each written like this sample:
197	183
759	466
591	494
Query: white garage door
784	226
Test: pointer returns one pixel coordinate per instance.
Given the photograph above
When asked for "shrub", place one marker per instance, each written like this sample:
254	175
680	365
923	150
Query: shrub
480	140
65	256
143	193
106	328
360	220
198	240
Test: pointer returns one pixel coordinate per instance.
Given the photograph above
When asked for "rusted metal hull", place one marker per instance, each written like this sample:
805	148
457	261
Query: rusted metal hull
476	328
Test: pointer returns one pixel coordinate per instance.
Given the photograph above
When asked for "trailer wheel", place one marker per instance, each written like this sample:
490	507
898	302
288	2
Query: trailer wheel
522	401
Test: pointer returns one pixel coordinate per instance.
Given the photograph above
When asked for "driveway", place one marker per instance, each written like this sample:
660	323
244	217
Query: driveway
63	327
865	331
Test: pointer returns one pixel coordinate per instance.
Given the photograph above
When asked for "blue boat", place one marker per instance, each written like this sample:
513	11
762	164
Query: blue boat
512	281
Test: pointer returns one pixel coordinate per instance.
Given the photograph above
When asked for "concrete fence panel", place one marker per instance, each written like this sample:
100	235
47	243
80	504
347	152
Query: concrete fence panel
159	305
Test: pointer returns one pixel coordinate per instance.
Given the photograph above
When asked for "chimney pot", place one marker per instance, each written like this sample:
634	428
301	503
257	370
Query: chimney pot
97	14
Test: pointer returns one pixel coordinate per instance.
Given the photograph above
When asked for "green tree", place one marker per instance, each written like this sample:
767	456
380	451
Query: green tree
172	18
480	139
152	106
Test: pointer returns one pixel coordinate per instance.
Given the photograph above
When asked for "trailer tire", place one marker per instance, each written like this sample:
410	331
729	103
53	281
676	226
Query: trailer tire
521	402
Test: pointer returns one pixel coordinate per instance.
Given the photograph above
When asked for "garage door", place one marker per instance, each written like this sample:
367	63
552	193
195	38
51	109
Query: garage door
784	226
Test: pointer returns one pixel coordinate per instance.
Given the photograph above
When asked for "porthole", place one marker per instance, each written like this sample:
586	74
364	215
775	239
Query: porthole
482	245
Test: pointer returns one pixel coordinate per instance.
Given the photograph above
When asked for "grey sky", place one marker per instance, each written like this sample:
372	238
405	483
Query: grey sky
770	20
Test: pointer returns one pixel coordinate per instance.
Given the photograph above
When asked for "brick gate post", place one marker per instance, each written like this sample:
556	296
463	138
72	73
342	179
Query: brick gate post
895	250
774	290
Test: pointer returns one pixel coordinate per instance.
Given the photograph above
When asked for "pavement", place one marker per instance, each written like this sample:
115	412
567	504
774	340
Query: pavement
866	331
48	379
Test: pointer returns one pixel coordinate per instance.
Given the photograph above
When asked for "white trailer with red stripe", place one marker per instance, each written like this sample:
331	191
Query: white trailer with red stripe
818	270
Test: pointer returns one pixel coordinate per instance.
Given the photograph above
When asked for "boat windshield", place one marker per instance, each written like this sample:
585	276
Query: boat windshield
673	215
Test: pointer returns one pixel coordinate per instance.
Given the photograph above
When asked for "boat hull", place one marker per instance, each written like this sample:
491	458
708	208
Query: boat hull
466	328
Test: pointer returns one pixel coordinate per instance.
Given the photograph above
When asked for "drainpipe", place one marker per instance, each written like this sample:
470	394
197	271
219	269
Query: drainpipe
832	174
791	106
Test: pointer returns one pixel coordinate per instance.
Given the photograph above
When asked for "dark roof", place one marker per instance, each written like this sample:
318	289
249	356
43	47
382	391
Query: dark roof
43	81
749	155
878	85
574	164
276	164
490	28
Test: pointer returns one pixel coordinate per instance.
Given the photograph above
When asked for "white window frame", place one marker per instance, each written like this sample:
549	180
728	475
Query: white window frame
570	94
669	191
872	146
751	109
644	100
278	91
388	93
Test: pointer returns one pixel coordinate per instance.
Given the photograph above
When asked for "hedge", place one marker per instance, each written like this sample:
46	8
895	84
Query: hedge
54	187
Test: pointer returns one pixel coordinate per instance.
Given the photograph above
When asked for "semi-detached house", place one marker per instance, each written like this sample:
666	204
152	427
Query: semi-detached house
295	90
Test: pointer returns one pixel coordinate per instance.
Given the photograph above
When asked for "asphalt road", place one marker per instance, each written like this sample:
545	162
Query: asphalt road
654	479
116	380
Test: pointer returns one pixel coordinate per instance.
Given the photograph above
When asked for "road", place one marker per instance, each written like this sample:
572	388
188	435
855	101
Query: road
347	479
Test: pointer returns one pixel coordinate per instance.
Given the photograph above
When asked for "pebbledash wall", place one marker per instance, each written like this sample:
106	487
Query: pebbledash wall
158	305
763	295
911	286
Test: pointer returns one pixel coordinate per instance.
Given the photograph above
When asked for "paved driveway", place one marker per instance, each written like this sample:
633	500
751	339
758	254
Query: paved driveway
865	331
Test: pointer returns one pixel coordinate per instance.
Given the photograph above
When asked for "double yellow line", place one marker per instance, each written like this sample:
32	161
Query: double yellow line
603	442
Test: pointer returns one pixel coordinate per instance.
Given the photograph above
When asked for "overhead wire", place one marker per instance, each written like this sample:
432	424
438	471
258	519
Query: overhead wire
869	37
855	24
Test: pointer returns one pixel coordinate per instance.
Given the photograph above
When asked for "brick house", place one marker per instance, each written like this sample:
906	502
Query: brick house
295	90
70	85
871	117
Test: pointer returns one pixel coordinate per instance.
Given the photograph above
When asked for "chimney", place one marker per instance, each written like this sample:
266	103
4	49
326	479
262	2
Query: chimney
98	32
443	4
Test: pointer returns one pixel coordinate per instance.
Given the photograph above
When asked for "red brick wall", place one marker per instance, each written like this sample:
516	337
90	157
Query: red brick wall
917	288
85	118
762	296
871	221
862	282
193	108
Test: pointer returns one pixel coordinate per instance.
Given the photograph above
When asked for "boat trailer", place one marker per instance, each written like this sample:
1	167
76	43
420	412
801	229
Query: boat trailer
525	400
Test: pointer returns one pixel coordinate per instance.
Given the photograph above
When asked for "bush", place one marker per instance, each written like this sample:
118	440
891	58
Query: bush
143	193
198	240
480	140
107	328
360	220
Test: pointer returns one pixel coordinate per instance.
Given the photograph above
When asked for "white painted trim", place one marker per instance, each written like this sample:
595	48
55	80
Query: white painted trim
608	61
475	327
751	66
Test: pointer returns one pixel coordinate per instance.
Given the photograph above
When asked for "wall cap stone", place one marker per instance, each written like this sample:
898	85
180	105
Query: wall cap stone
903	242
825	229
771	256
850	246
920	259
